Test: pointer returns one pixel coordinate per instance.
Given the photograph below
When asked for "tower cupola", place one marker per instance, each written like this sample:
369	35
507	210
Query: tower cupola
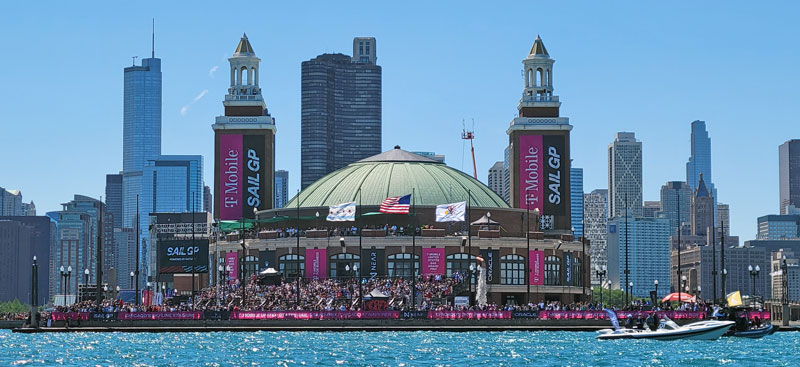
244	71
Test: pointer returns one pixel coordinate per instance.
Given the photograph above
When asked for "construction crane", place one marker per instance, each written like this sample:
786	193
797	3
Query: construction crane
470	135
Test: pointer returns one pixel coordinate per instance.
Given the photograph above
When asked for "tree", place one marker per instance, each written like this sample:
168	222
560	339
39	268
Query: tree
613	297
14	306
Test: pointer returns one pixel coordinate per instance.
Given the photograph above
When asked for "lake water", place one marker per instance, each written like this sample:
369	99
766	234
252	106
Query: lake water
387	349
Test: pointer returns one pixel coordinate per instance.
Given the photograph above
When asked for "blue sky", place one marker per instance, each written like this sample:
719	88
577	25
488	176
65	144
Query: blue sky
651	68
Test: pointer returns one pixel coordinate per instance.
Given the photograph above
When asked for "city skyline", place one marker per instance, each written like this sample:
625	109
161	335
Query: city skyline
191	95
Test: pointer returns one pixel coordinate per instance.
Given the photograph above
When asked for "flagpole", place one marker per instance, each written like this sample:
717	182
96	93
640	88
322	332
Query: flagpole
414	251
469	236
297	232
360	251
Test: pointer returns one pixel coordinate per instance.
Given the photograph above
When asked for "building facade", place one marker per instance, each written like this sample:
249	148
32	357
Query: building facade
539	150
114	198
699	163
244	143
625	175
208	204
779	227
22	238
789	174
595	227
576	200
702	210
676	204
640	245
281	188
11	203
651	209
723	219
340	110
496	181
785	267
77	227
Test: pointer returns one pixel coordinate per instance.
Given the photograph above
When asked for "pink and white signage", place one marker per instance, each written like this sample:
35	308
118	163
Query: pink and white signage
536	265
531	172
232	265
230	176
433	261
316	263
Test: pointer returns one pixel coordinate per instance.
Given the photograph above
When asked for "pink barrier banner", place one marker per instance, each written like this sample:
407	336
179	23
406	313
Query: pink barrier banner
232	265
316	263
178	315
433	261
313	315
536	265
451	315
61	316
531	172
230	176
763	315
622	315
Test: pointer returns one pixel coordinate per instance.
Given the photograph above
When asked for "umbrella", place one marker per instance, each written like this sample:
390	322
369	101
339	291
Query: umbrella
685	297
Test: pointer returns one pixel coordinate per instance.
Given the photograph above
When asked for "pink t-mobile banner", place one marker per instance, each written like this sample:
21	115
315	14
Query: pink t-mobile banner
232	265
316	263
432	261
230	176
531	172
536	266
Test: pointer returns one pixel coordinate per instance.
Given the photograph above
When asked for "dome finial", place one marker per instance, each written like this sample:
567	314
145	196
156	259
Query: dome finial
396	147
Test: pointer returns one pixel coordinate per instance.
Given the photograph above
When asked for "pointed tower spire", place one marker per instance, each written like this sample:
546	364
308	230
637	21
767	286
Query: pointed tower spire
244	47
538	49
153	45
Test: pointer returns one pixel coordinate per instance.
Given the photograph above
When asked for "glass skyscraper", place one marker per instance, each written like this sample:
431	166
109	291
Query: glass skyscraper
341	110
141	132
648	257
789	174
281	188
700	160
576	199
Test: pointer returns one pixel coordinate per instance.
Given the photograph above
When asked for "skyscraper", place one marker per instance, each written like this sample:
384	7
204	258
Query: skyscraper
675	194
595	220
538	140
700	161
281	188
651	209
76	243
208	204
10	202
789	174
648	255
576	200
625	175
244	143
496	181
341	110
22	238
141	132
114	198
723	218
702	210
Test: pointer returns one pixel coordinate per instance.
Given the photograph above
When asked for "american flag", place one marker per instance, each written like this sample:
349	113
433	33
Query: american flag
396	204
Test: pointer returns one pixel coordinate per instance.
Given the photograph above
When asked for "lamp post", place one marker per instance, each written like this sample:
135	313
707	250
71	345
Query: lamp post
85	282
631	285
699	292
681	286
655	283
754	273
785	282
360	290
105	291
132	275
117	295
600	274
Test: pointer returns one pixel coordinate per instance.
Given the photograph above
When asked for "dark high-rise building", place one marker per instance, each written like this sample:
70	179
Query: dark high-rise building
702	210
676	195
22	238
789	174
207	203
341	110
114	198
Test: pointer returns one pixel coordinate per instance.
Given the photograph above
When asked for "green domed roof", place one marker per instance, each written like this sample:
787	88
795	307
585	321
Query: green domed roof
394	173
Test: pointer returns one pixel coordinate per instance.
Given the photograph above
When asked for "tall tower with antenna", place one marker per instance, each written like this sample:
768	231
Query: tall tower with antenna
539	157
244	142
470	135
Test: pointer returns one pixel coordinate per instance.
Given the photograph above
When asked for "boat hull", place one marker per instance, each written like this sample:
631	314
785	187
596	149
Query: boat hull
696	331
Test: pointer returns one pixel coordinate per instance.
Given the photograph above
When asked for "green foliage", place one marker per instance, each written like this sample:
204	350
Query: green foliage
14	306
612	297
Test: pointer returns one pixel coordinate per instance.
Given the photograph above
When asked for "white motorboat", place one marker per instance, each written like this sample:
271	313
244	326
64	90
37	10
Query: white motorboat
668	330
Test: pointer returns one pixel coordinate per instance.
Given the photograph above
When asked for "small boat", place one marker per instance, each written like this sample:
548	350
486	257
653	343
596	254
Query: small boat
756	333
667	330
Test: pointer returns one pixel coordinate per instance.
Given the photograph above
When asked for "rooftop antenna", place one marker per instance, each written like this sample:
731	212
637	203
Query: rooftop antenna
134	60
470	135
153	44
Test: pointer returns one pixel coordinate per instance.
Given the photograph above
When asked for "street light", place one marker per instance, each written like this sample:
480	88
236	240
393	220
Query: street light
655	282
360	290
785	273
600	274
631	285
681	286
105	291
132	274
754	274
699	292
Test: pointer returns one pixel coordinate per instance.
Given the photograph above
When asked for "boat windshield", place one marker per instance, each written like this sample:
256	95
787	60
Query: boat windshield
667	324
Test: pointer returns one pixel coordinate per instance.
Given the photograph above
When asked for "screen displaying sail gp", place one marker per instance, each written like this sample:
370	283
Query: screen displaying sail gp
542	173
182	256
243	175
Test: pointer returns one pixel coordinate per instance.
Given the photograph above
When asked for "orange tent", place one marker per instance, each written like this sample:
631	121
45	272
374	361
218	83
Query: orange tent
673	297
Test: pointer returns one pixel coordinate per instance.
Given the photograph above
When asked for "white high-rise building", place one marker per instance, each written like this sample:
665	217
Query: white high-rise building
625	175
595	220
647	258
497	180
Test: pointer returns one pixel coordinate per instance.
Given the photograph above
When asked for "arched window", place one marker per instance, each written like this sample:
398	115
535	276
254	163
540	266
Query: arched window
340	263
552	270
287	264
512	270
402	265
459	263
549	81
539	77
245	76
528	76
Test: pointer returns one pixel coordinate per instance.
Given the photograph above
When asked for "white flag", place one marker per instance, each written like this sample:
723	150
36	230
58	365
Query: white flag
345	212
451	212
